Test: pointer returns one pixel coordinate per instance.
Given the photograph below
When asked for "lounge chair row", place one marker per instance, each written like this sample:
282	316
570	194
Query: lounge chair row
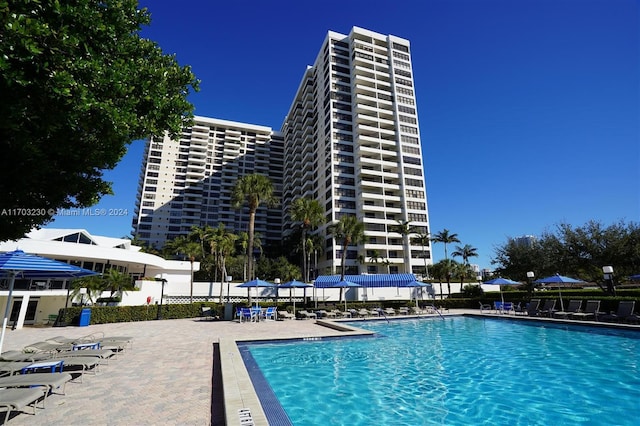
41	369
574	310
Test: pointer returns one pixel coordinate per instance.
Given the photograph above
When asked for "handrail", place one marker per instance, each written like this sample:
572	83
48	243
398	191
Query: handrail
437	311
380	311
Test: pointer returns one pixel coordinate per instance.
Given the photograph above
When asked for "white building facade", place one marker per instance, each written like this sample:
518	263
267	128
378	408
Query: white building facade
34	300
352	142
189	182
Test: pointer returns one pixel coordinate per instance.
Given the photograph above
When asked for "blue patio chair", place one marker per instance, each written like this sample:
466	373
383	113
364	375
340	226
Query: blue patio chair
507	307
497	306
270	313
248	315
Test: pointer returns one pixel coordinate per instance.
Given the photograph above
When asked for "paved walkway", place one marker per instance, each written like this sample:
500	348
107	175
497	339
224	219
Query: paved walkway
165	379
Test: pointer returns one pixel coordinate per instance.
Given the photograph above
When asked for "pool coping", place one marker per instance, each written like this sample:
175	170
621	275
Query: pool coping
241	401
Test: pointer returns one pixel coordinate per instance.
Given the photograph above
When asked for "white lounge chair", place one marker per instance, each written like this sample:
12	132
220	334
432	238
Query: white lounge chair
307	315
51	381
18	399
286	315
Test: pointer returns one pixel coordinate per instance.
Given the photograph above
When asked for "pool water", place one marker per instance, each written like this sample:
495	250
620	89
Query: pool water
459	371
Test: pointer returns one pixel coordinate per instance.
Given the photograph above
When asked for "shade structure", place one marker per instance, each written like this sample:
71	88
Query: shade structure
500	282
558	279
255	283
415	284
294	284
344	284
18	264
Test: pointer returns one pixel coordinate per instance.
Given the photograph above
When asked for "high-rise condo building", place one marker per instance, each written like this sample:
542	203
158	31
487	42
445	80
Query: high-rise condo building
350	140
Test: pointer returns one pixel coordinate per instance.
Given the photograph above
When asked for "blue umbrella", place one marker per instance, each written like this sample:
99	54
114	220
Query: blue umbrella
557	279
255	283
295	284
18	264
344	284
500	282
635	277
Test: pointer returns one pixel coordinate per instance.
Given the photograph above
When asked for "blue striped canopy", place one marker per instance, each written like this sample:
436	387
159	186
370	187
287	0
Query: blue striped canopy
369	281
30	266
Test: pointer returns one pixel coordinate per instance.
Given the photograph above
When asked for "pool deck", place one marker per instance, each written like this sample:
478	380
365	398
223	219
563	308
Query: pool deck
166	377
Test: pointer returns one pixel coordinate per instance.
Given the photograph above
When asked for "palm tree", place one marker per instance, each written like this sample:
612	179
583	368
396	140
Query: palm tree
315	243
465	252
404	228
348	230
243	241
94	285
190	249
311	214
117	282
375	257
201	235
442	270
462	271
387	263
222	243
252	190
446	238
423	239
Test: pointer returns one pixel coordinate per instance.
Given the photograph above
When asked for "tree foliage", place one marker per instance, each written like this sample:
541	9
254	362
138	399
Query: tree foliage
253	190
311	214
347	231
78	84
580	252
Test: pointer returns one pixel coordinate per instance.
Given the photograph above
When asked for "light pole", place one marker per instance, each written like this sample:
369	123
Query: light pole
530	276
83	291
163	281
277	283
608	277
228	279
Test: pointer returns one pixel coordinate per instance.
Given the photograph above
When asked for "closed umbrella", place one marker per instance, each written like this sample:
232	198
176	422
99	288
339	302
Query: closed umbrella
500	282
295	284
18	264
558	279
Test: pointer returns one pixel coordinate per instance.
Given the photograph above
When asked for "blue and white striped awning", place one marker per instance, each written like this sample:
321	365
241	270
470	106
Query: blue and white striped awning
372	280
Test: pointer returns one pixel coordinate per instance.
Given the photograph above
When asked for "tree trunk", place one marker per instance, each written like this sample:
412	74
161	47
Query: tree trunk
252	218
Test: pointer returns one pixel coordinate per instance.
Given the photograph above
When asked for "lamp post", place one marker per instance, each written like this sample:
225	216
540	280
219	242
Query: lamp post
315	294
83	291
608	277
530	276
163	281
277	283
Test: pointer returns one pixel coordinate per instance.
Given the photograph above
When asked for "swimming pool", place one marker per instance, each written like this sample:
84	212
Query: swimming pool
458	371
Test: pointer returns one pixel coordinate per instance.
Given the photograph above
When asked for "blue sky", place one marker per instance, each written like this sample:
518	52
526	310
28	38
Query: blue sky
529	110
